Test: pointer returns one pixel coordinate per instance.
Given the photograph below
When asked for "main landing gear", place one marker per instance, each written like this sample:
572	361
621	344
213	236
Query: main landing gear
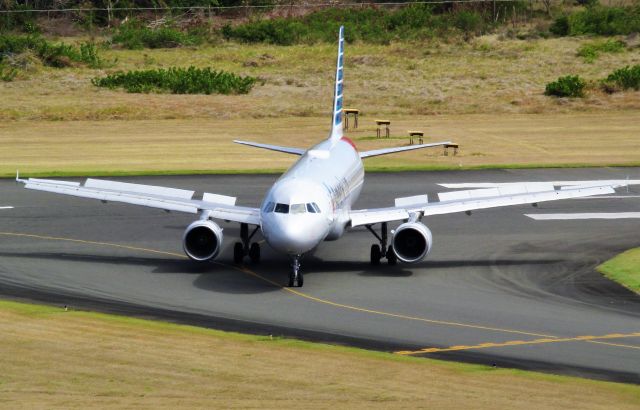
295	276
245	248
382	251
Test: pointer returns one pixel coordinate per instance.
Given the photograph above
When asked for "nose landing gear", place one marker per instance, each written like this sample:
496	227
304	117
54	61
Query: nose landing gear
244	248
295	276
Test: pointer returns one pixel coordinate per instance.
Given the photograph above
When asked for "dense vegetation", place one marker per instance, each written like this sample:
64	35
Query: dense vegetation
376	25
134	35
568	86
51	54
600	20
573	86
623	79
190	80
591	51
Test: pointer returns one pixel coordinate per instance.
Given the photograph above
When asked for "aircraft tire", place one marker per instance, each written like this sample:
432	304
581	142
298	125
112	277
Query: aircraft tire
254	253
392	259
376	255
238	253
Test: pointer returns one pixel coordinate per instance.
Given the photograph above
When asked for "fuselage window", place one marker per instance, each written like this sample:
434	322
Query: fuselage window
311	209
269	207
282	208
298	208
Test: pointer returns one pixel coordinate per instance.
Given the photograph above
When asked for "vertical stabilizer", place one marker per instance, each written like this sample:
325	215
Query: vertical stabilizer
336	121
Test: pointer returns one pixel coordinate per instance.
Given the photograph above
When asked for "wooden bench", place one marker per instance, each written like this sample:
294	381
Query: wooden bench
418	135
355	113
454	146
380	123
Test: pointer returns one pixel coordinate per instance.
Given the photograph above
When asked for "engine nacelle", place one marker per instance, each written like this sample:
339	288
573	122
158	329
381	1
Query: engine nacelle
412	242
202	240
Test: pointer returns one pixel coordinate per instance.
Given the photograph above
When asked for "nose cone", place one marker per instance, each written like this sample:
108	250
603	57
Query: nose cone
294	234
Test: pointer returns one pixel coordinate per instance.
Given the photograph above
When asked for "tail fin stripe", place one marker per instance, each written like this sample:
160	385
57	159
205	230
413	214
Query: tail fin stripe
336	128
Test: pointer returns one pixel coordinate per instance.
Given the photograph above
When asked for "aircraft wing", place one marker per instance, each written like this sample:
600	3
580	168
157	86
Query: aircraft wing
464	201
286	150
169	199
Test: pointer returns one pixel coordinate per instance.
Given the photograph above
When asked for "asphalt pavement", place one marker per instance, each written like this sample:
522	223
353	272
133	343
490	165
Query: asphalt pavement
498	288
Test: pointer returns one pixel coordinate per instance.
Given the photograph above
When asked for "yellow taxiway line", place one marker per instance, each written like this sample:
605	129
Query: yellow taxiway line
542	338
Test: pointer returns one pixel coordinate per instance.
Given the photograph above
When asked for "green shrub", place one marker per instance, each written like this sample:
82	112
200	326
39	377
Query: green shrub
373	25
7	73
590	52
54	55
469	22
133	35
190	80
568	86
599	20
623	79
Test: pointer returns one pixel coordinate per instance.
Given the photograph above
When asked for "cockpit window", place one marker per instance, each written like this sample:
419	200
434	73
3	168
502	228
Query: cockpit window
311	209
268	207
298	208
282	208
316	207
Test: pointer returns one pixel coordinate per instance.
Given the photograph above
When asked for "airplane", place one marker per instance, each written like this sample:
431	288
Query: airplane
312	202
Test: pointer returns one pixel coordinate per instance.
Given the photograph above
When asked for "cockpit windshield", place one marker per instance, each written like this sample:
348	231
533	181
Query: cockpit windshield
282	208
311	208
298	208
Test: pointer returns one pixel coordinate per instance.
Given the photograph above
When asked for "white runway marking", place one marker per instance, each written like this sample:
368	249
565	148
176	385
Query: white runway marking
610	197
6	207
469	185
601	215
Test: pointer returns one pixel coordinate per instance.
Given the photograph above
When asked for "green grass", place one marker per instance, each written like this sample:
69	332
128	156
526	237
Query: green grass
591	51
39	310
278	171
624	269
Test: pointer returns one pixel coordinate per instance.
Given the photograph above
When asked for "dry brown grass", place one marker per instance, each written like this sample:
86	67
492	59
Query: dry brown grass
489	75
56	359
44	147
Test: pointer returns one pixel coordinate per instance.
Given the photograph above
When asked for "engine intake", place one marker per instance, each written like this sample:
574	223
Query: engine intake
202	240
412	242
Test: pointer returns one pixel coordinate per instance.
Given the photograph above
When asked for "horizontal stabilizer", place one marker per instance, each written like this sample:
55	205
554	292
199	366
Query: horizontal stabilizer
385	151
286	150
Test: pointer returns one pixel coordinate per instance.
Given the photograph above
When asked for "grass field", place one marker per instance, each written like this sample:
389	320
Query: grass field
487	76
53	358
205	145
624	269
486	95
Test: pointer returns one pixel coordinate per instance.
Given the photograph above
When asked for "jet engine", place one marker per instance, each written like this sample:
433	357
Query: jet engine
412	242
202	240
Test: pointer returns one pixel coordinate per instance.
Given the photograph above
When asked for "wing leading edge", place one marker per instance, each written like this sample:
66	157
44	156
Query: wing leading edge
170	199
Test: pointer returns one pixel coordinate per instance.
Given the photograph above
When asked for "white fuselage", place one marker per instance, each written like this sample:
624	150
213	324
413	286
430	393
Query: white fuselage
310	202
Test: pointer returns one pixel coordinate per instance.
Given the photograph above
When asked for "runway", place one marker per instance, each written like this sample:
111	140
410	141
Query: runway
499	288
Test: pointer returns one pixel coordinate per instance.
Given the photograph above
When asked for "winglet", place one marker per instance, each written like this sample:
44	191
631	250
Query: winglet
18	177
336	119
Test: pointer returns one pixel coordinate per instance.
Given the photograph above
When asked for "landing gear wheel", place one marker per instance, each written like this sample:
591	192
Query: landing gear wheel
238	253
376	255
295	277
392	259
254	253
